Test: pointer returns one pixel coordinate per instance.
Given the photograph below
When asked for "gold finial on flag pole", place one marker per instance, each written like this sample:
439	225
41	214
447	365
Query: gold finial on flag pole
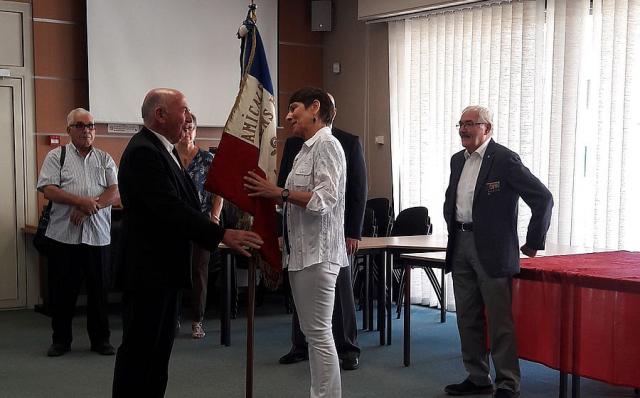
252	11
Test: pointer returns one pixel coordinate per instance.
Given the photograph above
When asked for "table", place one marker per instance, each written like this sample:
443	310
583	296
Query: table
586	318
583	320
390	246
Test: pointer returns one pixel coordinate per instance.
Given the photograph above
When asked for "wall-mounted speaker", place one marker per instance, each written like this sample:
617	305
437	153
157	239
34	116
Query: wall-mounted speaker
321	15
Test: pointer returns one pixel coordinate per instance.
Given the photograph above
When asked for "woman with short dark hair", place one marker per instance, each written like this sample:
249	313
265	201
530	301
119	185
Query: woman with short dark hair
314	249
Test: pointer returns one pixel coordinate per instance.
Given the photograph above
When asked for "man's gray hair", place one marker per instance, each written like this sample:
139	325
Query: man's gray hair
71	116
484	114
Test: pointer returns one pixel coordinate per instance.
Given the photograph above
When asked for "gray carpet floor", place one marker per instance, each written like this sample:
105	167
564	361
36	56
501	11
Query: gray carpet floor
204	368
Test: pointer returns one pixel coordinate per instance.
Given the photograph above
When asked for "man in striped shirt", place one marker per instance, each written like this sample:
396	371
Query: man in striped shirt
82	188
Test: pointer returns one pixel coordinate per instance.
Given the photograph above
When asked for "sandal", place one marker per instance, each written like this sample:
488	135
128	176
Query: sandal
197	331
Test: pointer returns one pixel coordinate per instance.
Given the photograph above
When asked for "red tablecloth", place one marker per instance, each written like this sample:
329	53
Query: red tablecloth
581	314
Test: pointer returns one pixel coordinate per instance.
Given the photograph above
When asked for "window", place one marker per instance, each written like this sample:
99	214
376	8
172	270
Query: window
562	82
562	78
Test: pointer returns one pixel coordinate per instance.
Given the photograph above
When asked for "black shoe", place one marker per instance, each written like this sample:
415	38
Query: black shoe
504	393
57	350
351	362
467	387
293	357
103	349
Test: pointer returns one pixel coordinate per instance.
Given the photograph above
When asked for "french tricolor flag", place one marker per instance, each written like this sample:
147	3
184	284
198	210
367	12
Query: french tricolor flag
249	142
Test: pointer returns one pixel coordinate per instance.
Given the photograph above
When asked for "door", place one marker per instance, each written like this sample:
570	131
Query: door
12	210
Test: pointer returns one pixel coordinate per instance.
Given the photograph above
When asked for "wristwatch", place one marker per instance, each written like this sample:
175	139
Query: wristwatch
284	195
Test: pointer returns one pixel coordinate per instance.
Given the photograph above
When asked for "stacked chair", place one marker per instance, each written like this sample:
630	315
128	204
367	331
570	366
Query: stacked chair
378	219
410	221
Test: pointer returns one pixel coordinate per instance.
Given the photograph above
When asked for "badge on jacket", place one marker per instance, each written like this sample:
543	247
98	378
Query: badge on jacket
493	187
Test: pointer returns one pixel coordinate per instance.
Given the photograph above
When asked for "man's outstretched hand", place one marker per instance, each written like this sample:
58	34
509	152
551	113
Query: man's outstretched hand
240	240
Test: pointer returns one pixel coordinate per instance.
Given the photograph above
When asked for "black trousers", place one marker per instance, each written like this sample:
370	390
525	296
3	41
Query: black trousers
343	324
149	319
69	265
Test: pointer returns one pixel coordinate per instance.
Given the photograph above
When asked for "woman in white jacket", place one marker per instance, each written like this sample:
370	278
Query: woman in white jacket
314	249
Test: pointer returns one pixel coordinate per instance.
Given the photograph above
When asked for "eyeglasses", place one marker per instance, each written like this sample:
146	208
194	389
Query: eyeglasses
82	126
468	125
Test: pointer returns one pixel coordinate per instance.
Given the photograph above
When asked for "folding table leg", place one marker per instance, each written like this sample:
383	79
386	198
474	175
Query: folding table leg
389	301
407	314
443	301
382	291
563	385
575	386
369	293
365	307
225	319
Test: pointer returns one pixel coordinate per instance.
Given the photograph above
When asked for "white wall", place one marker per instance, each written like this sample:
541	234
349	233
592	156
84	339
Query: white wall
190	45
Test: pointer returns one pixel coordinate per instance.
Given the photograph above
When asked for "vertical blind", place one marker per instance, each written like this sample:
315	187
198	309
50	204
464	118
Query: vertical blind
562	79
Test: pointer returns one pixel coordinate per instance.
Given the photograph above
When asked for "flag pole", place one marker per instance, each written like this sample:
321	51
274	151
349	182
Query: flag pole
251	294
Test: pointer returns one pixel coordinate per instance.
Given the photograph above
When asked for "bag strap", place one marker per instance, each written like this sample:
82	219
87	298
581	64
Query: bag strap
63	155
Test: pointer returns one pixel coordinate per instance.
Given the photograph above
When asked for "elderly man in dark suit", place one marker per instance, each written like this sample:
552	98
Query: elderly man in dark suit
481	212
161	220
344	323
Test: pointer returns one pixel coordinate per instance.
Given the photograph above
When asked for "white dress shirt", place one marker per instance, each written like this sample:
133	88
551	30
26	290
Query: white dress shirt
467	182
316	232
89	176
167	145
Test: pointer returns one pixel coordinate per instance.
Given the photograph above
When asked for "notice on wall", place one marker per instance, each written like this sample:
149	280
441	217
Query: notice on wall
118	128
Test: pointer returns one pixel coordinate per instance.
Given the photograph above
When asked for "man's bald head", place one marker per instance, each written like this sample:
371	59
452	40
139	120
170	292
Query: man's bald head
156	98
165	111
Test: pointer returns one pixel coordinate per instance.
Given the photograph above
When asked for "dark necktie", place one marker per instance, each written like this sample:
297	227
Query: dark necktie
175	153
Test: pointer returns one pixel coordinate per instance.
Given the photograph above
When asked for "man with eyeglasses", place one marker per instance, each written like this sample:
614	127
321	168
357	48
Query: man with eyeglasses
82	188
481	211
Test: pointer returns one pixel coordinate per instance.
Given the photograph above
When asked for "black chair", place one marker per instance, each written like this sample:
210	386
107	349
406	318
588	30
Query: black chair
369	224
383	213
410	221
369	229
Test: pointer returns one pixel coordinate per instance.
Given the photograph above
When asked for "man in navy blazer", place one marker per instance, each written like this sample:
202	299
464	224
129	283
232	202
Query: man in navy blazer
481	212
161	219
344	311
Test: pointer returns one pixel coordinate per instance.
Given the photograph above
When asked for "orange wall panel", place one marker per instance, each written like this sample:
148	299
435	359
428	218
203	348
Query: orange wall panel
60	50
54	100
299	59
299	66
295	23
62	10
